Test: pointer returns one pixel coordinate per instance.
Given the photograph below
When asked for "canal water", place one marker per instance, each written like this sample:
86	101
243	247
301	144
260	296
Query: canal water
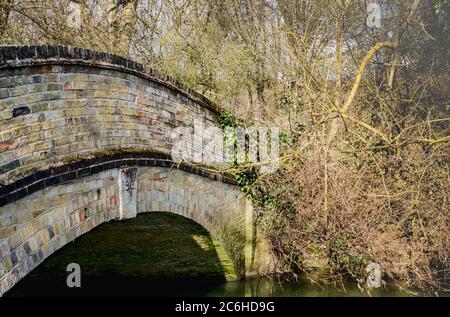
157	254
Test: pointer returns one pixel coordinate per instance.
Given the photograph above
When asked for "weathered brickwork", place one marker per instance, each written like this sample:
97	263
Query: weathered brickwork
34	227
76	111
71	121
84	167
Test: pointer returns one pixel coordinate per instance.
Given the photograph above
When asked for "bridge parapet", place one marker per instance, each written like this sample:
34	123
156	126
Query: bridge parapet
62	104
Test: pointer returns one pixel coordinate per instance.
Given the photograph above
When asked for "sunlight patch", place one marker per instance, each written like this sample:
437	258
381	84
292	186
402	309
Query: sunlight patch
202	242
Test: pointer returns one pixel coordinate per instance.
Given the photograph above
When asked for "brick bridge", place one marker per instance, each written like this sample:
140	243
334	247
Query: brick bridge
85	138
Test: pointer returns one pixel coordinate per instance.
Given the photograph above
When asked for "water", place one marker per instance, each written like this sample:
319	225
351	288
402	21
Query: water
274	287
158	254
250	287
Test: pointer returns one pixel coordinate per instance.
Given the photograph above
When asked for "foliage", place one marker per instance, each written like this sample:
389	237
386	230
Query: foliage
363	113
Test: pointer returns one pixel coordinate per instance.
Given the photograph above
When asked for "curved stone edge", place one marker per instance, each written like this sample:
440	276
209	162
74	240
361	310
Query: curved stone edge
12	56
88	166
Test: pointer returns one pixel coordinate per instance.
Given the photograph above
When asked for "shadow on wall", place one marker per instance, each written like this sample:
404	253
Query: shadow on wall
155	254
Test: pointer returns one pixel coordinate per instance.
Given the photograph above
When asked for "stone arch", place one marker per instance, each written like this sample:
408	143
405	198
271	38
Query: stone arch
71	119
50	218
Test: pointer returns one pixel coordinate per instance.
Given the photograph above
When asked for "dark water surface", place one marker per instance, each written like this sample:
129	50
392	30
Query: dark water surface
157	254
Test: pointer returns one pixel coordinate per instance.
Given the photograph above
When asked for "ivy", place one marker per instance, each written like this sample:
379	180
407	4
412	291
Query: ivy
226	119
345	261
245	178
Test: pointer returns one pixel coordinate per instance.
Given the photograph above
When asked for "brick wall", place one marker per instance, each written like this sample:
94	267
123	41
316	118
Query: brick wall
34	227
38	225
54	114
70	119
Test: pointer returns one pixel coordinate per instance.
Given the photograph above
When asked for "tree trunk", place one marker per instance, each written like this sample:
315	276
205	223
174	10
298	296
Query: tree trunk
5	9
122	24
396	40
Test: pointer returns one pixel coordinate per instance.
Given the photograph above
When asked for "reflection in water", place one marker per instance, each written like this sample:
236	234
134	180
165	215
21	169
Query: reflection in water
265	286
